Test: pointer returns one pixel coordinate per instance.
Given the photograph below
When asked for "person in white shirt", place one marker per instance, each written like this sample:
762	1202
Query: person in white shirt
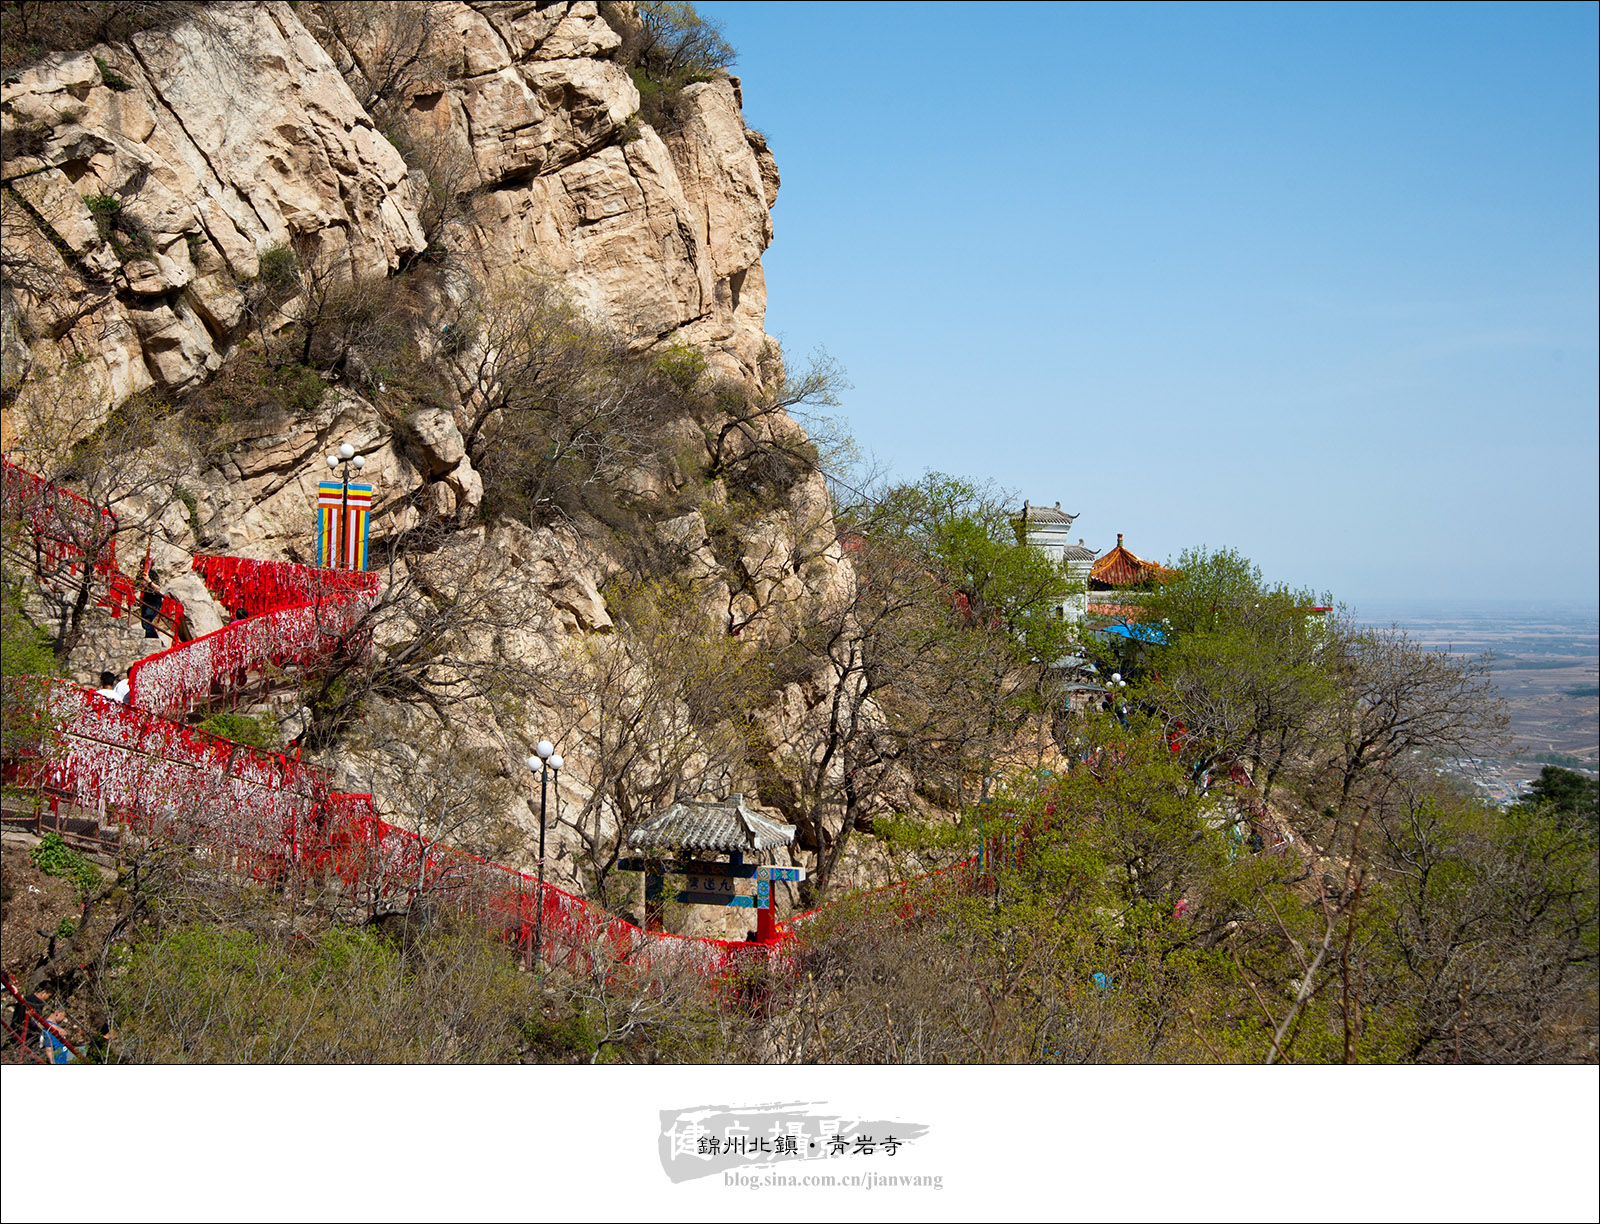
117	691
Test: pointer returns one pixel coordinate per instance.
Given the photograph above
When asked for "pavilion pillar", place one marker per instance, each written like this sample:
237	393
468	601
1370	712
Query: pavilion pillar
654	909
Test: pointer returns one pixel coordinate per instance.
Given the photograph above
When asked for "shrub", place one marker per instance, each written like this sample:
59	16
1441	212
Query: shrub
279	269
27	662
54	857
191	505
243	729
303	388
25	137
666	46
216	994
31	28
682	364
256	383
113	223
105	210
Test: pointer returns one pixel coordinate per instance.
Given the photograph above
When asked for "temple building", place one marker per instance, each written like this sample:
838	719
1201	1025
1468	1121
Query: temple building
1116	583
1049	530
1120	570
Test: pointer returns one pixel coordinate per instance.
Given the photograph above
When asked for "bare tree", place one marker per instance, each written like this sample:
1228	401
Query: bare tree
652	1007
40	26
343	318
767	562
427	640
1397	698
880	708
752	424
386	49
105	478
445	782
657	710
554	402
1492	918
449	180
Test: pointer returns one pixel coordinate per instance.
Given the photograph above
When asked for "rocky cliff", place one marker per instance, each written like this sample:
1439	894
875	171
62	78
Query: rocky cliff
146	180
150	185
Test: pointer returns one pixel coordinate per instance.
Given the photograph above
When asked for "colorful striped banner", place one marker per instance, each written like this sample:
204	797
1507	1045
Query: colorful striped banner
346	548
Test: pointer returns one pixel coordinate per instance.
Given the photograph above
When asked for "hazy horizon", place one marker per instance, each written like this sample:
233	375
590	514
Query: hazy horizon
1499	603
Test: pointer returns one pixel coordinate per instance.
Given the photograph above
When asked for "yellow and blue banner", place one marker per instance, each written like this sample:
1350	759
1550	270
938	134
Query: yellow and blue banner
342	544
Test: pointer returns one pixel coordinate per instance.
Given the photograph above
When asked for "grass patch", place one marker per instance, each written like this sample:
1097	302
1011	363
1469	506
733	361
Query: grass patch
110	77
54	857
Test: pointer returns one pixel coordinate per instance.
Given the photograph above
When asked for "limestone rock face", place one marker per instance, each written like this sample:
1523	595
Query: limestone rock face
658	237
440	439
256	500
200	612
148	205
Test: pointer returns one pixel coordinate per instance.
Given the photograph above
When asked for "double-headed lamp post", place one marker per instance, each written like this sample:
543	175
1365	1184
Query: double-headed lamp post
1114	687
545	758
346	456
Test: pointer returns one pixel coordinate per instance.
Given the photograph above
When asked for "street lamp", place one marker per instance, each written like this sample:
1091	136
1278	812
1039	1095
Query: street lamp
344	459
545	758
1113	687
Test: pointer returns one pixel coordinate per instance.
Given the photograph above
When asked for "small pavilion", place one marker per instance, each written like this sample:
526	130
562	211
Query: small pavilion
691	837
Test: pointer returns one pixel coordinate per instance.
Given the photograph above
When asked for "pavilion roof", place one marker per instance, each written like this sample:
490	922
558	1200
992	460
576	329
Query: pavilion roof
725	826
1122	568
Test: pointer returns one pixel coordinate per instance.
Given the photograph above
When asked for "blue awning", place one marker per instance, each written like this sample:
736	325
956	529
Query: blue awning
1139	633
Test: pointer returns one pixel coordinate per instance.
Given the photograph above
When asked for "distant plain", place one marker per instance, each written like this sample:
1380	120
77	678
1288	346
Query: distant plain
1546	663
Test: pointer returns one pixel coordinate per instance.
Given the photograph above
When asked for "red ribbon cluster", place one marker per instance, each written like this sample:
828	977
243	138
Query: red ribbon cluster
64	526
262	813
296	616
252	586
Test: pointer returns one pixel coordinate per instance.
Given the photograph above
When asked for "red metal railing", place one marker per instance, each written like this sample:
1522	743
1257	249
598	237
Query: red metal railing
65	528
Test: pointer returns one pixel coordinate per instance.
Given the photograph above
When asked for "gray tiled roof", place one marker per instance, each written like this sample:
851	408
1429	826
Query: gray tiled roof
1077	552
1047	514
726	826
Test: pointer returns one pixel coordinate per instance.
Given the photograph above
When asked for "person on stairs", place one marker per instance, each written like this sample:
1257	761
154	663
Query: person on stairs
113	688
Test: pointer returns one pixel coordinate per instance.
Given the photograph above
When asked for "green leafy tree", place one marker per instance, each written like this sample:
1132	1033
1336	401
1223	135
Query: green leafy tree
1482	939
937	662
1570	794
27	665
963	531
1067	943
24	646
1241	662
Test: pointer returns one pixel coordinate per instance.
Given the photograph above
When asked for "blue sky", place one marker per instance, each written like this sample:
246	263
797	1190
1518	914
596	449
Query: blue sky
1317	282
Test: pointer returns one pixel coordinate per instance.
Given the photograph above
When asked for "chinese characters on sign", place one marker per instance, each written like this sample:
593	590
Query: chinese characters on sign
789	1145
711	1139
710	884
